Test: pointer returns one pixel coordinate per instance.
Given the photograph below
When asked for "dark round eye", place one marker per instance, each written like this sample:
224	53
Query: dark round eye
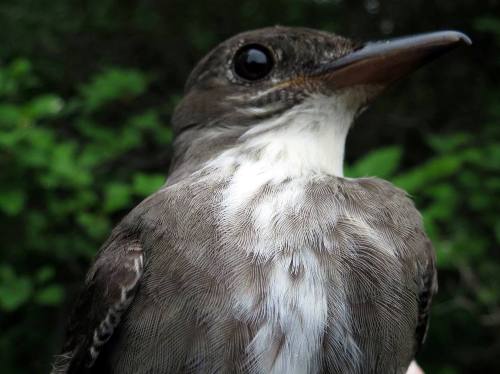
253	62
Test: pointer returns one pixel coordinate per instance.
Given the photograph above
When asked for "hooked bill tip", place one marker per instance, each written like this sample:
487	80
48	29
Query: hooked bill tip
457	36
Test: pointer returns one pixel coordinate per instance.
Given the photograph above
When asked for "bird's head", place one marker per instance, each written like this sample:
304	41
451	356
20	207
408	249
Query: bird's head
293	87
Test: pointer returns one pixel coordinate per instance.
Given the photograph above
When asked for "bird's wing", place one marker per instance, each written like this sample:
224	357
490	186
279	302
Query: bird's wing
109	289
427	288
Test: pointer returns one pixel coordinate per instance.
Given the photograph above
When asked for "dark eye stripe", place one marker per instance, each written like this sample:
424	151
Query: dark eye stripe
253	62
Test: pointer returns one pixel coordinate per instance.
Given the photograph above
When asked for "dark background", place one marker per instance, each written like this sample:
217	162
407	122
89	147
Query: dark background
86	91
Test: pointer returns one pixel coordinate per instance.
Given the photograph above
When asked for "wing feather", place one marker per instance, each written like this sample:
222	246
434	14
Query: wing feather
427	289
109	289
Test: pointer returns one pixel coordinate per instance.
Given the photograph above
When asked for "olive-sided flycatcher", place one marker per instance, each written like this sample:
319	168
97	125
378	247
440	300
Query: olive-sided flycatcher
258	255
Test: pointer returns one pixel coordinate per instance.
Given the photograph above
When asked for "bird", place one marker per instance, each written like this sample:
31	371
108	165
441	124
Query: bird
258	255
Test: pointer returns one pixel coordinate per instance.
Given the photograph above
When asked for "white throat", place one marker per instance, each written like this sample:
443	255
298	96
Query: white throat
308	139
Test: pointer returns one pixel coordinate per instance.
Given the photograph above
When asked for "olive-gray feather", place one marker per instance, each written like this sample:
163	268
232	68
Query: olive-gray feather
183	316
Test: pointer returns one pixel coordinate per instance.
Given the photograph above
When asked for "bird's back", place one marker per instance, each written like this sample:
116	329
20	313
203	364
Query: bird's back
309	275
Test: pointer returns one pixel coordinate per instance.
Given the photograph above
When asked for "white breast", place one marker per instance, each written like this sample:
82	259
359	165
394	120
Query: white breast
305	142
289	340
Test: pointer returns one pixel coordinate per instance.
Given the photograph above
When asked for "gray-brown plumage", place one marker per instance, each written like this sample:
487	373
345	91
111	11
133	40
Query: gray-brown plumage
258	256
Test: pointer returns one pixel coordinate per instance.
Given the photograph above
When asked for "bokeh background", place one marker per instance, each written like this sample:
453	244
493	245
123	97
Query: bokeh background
86	92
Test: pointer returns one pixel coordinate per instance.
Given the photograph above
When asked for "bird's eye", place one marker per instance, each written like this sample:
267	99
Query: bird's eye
253	62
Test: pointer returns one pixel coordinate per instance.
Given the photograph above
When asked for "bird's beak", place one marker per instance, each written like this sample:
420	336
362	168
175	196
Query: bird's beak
381	63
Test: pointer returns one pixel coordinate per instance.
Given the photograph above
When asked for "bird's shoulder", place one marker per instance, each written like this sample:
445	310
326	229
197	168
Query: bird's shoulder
371	199
383	213
375	228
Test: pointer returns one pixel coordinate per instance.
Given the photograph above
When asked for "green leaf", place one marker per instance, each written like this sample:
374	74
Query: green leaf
14	290
448	143
113	84
95	225
16	77
10	115
116	196
64	168
147	120
427	173
20	68
445	255
43	106
44	274
382	163
163	135
146	184
50	295
12	201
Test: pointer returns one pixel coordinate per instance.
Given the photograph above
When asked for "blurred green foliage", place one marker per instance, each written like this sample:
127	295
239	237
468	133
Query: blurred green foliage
85	94
60	185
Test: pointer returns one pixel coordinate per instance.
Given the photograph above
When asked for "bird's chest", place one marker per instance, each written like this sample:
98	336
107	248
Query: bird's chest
294	274
306	258
284	287
294	311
